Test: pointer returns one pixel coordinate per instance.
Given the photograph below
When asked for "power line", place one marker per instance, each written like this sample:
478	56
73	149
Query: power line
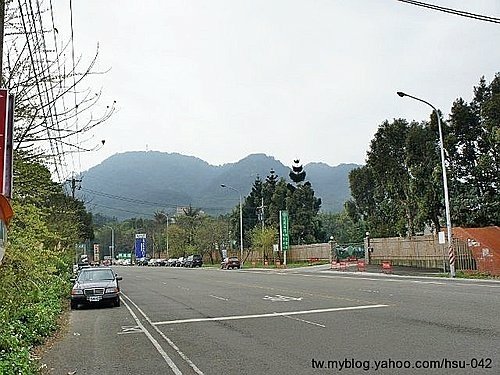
147	203
456	12
122	210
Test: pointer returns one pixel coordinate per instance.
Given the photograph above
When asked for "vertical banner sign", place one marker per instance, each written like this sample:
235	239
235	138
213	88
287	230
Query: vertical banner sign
96	252
284	233
140	245
3	126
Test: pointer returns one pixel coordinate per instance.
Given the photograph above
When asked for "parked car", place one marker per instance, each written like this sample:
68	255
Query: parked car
194	260
152	262
94	286
180	262
142	261
171	262
161	262
230	263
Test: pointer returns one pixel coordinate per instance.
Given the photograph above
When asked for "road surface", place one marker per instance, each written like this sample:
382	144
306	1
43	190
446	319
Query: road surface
211	321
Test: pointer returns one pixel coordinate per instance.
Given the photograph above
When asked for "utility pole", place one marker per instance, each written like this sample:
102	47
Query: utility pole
73	184
261	212
2	22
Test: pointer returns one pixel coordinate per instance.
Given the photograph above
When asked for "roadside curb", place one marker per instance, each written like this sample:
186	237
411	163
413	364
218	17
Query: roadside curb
323	270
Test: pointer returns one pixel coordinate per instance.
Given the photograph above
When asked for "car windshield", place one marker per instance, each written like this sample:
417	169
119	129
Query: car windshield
96	275
233	259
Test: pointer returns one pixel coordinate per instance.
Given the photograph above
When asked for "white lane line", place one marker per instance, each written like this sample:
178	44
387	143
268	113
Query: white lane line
170	342
269	315
305	321
158	347
221	298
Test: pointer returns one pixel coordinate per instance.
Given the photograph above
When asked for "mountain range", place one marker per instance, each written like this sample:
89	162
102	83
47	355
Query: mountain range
139	183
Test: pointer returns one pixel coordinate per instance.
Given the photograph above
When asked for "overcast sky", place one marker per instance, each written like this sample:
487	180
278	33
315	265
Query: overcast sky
308	79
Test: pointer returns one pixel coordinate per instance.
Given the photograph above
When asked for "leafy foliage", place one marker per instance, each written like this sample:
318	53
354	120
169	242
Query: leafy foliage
400	190
473	141
34	274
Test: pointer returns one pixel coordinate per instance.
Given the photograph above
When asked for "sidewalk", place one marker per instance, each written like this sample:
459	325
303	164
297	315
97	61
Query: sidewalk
394	270
353	268
372	270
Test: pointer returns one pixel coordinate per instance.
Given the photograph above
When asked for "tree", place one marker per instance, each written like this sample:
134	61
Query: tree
343	229
473	145
396	192
303	208
64	216
190	222
52	110
264	239
211	235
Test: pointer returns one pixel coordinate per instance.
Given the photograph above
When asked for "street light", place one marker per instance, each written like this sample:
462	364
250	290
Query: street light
112	243
445	182
241	219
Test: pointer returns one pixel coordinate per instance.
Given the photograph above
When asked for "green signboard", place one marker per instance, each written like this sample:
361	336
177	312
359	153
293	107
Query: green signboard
284	231
124	256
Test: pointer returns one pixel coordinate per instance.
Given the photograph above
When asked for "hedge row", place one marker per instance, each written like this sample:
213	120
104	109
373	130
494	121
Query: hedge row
34	286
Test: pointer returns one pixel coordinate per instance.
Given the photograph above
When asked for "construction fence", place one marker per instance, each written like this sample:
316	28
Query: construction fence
420	251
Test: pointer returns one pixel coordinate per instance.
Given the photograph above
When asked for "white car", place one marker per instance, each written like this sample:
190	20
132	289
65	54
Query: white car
152	262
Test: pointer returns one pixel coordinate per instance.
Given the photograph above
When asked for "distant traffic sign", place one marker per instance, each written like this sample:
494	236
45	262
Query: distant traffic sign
284	231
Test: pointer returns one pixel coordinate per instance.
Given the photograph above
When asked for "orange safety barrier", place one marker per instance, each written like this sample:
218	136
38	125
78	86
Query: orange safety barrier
343	266
361	265
386	266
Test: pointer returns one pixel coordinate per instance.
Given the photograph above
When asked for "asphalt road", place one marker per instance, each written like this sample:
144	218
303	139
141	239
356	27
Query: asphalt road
210	321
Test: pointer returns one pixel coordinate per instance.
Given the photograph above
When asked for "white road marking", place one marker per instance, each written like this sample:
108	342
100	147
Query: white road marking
428	282
280	298
305	321
183	288
155	343
130	329
268	315
170	342
221	298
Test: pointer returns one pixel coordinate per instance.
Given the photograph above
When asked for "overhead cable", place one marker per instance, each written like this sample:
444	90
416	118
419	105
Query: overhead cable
456	12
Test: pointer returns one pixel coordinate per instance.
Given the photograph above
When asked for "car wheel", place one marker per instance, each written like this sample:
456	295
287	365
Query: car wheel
74	305
116	302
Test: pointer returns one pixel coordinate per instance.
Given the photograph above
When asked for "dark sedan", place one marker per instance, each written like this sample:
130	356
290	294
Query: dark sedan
94	286
230	263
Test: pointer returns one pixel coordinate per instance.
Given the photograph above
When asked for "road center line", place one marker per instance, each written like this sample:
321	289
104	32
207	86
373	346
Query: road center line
170	342
268	315
158	347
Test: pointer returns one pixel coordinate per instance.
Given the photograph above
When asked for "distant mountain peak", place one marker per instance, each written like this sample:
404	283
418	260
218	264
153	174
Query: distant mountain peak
138	183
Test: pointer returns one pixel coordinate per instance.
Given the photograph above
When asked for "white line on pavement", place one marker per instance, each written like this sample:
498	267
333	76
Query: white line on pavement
170	342
305	321
269	315
221	298
158	347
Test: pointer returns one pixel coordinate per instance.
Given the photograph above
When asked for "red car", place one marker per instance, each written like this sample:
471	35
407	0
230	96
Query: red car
229	263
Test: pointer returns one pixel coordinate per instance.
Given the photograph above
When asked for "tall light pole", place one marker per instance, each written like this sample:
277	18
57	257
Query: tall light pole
241	220
168	219
112	243
451	253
